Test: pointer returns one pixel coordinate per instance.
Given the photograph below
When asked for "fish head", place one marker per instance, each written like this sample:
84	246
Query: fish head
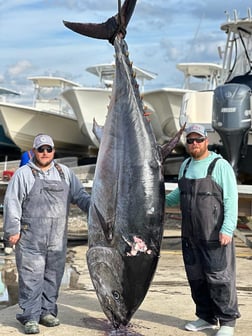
106	270
121	281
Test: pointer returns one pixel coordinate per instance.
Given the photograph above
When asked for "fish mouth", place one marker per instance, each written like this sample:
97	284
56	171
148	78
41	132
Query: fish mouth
116	320
116	317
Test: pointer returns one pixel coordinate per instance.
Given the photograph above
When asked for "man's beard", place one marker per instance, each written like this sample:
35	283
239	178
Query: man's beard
198	153
43	164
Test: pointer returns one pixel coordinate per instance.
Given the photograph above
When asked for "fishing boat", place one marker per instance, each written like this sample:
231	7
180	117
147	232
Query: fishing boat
166	102
8	149
49	113
89	103
226	110
163	105
4	93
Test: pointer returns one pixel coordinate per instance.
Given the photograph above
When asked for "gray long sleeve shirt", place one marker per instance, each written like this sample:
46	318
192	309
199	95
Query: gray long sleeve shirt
22	182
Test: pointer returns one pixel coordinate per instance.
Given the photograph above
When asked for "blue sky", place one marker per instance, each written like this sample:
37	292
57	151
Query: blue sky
161	34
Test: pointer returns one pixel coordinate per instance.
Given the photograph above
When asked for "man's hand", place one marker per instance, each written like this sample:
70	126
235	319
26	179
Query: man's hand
14	239
224	239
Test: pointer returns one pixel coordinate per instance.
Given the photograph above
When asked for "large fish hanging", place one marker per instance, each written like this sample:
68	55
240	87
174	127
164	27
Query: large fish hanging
125	226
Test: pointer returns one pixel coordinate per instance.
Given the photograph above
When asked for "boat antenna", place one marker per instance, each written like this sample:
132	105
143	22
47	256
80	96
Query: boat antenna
249	13
235	15
227	15
195	37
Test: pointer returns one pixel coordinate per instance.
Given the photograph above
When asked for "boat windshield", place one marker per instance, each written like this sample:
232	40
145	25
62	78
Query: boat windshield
237	56
47	94
243	55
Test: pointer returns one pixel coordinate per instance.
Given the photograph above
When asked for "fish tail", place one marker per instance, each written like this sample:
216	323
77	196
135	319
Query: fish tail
107	30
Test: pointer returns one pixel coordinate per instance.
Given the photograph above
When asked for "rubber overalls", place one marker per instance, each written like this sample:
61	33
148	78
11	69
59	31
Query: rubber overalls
41	250
210	267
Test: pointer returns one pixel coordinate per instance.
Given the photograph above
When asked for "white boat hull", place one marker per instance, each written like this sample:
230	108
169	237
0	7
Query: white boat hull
197	108
163	105
166	104
21	124
88	104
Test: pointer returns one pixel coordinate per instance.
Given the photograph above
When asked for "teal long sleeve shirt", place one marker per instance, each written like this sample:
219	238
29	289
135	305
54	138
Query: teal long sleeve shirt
223	175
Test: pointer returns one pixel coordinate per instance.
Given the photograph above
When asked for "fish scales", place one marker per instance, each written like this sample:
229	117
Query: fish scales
127	203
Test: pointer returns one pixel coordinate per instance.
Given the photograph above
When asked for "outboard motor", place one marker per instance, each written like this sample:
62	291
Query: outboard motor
231	119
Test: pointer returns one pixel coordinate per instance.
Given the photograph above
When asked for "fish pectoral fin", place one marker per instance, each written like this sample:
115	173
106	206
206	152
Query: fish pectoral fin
167	148
107	225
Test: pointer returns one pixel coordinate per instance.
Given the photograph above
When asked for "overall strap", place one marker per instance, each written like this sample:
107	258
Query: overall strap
186	166
34	172
62	175
57	166
209	170
211	166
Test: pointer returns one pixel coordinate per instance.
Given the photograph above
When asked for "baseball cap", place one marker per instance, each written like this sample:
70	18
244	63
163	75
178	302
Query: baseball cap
196	128
42	139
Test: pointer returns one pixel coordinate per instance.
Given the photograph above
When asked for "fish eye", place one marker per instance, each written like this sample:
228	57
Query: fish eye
116	295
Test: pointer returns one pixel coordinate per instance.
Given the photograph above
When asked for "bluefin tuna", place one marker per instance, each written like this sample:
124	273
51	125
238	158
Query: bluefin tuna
125	225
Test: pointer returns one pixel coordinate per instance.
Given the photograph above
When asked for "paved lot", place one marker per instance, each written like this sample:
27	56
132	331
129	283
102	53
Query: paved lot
165	310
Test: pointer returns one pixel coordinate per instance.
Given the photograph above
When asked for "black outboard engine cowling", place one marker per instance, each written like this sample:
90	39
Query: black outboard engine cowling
231	118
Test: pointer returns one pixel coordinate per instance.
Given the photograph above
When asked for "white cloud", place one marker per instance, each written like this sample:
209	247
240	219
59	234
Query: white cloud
34	40
19	68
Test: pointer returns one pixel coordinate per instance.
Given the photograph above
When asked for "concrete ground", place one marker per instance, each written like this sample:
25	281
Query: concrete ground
164	312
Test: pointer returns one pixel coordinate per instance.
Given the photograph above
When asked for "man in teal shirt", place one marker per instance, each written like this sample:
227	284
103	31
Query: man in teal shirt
208	198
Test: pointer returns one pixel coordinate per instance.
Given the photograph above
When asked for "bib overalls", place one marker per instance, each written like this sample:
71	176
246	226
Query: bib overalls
41	250
210	267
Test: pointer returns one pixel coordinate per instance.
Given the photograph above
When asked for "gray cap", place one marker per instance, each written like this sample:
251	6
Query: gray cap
42	139
196	128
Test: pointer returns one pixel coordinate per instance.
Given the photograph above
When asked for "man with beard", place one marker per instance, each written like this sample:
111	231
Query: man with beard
36	208
208	198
